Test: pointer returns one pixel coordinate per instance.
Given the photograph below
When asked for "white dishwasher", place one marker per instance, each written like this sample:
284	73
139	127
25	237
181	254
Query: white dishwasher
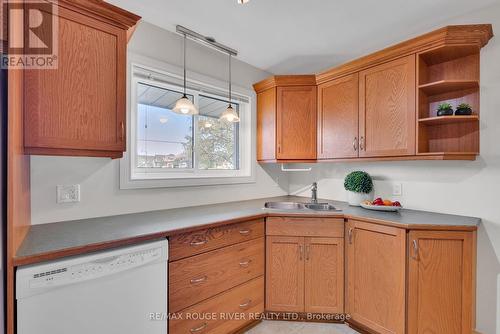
122	291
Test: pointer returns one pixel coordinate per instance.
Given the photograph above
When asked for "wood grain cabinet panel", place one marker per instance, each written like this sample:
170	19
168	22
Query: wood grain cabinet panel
324	275
192	243
387	109
285	274
79	108
441	282
243	303
266	125
296	123
338	110
376	276
203	276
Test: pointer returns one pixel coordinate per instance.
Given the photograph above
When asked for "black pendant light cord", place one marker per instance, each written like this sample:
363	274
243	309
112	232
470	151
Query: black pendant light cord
185	38
230	101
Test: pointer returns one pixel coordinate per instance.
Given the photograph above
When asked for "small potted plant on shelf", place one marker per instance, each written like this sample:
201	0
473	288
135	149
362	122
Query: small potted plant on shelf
463	109
445	109
359	186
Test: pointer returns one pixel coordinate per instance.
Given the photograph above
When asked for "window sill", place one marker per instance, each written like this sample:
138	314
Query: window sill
127	183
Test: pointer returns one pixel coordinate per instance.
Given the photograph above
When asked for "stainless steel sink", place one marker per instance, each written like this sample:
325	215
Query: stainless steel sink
320	206
300	206
285	205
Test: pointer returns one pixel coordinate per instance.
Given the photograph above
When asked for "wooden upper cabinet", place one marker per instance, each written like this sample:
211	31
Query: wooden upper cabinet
296	131
387	109
285	274
266	125
441	282
338	102
287	118
376	276
324	275
79	107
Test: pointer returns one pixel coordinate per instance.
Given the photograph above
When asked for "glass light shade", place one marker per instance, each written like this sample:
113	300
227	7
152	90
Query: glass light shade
230	115
184	106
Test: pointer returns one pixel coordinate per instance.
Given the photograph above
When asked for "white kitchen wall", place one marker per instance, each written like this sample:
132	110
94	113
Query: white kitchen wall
464	188
99	178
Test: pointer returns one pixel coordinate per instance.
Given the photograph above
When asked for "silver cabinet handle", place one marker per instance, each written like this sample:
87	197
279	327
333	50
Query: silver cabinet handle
245	232
355	143
349	234
199	329
362	143
308	250
245	263
199	280
301	252
415	249
246	304
198	243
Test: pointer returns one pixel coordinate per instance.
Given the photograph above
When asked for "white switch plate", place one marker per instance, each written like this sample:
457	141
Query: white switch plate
397	189
68	193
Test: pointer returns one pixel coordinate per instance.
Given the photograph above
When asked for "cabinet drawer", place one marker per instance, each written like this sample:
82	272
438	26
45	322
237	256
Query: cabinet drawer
203	276
243	303
305	227
192	243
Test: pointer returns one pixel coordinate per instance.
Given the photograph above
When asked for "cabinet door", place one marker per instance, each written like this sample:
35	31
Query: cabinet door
266	125
387	109
296	123
376	258
79	108
440	291
338	123
285	274
324	275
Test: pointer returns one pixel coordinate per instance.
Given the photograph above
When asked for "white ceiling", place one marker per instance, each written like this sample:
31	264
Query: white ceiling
302	36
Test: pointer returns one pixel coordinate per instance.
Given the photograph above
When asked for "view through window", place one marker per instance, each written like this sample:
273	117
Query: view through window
169	141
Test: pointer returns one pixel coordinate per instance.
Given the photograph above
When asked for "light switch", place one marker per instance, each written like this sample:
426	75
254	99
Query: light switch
397	189
68	193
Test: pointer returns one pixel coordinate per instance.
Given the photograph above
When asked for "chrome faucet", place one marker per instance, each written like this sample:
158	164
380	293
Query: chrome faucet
314	193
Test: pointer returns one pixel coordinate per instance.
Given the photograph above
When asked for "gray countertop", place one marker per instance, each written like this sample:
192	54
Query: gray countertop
43	240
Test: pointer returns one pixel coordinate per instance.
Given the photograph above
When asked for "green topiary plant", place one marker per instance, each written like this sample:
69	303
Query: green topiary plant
358	182
464	106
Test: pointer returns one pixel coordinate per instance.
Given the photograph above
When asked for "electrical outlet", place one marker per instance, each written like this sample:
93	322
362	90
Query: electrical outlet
68	193
397	189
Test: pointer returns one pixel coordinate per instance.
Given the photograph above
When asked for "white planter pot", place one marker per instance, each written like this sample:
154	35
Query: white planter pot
355	199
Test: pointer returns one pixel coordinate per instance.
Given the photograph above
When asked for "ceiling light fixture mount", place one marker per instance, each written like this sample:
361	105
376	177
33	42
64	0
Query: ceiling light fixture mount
242	2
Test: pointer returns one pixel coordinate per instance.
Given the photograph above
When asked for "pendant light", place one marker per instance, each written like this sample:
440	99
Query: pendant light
184	106
230	114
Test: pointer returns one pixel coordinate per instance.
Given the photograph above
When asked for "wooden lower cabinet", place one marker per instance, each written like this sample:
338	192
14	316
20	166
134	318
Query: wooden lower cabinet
285	274
376	276
441	282
324	275
224	313
197	278
304	274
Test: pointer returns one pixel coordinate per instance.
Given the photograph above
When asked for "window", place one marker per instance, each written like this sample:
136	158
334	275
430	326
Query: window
169	149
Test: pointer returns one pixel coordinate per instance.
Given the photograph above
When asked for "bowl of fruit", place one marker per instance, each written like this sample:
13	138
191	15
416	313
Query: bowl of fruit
380	204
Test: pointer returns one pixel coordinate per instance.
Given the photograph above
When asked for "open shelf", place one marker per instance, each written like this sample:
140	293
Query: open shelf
447	86
448	53
448	119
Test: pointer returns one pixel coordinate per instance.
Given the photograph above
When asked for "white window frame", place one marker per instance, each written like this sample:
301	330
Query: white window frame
134	178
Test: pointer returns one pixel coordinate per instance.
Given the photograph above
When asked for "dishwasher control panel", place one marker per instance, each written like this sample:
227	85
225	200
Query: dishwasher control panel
94	269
